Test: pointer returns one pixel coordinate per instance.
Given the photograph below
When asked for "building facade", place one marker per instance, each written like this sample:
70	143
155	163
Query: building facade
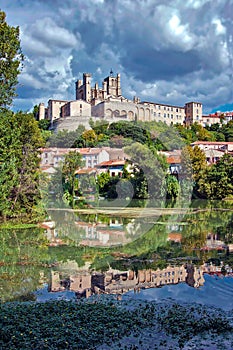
52	157
193	113
107	103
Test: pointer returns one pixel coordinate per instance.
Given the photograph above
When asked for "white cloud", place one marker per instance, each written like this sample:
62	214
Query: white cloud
179	32
219	28
48	31
177	49
196	3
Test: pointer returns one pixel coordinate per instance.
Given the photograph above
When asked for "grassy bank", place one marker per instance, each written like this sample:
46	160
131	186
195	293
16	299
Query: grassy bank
109	324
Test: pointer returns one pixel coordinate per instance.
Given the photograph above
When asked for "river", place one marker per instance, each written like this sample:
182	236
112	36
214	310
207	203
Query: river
148	252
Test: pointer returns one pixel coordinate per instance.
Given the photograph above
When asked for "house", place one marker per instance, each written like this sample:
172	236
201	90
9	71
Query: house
174	162
93	156
204	145
213	155
217	118
53	156
114	167
214	150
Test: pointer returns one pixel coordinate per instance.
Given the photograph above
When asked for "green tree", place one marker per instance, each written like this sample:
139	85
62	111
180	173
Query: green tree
194	165
90	138
44	124
11	59
173	187
218	180
201	133
73	161
150	167
66	139
20	140
36	112
103	180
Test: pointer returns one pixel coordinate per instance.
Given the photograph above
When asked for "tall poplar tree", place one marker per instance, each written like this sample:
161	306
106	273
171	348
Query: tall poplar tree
11	59
20	137
20	141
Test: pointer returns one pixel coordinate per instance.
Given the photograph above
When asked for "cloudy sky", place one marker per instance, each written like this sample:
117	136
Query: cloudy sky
167	51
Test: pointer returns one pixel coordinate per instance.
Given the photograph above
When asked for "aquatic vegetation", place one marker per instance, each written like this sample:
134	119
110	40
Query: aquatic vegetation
70	325
87	325
186	322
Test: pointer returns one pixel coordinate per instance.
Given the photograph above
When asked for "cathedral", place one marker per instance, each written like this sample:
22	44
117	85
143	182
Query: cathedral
106	103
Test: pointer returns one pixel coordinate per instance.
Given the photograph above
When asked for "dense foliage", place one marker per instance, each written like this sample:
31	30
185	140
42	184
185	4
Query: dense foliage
213	181
64	182
10	61
20	140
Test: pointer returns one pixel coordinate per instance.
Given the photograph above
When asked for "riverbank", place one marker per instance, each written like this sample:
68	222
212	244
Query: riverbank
104	323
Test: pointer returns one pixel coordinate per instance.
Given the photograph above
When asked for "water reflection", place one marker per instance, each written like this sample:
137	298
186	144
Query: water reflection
86	283
144	253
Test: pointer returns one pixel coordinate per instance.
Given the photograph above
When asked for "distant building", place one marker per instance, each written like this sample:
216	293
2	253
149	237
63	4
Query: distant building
51	157
114	167
193	113
214	150
217	145
108	103
217	118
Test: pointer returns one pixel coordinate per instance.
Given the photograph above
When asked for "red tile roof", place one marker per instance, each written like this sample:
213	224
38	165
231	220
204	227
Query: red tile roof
173	160
111	163
86	171
211	143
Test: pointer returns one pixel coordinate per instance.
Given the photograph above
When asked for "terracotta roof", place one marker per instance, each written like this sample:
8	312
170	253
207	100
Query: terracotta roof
173	159
86	171
176	237
59	150
89	150
112	163
211	143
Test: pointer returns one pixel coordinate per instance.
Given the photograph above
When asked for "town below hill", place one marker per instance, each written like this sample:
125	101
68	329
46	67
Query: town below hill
140	160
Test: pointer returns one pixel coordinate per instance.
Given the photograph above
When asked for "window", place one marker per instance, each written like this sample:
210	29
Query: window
164	115
155	114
